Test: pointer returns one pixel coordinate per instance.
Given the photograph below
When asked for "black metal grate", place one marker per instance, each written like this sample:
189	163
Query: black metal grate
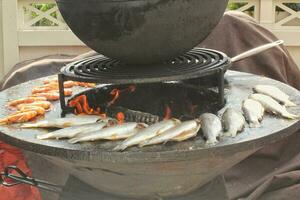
196	63
192	65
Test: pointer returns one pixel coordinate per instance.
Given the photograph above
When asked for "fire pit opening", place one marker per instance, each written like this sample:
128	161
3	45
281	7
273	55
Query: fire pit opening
148	103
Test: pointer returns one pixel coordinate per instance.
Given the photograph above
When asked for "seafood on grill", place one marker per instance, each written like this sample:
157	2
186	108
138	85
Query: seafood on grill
25	100
40	110
72	131
233	122
185	128
147	133
62	122
275	93
211	127
41	89
253	112
44	104
272	106
52	95
19	117
117	132
68	84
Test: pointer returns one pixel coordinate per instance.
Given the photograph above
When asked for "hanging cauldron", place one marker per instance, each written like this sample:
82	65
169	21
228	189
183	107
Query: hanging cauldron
142	31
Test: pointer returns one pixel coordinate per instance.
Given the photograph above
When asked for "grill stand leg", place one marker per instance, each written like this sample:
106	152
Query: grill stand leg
64	108
221	87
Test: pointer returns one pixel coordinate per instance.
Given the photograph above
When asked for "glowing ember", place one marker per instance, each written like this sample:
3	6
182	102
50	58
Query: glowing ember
120	117
168	113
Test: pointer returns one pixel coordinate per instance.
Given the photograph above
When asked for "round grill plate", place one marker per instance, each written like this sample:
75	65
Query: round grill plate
193	64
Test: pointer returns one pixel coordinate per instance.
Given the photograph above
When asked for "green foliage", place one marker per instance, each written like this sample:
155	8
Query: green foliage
44	7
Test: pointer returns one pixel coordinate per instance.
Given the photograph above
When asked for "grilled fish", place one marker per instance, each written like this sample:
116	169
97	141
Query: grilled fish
275	93
62	122
253	112
72	131
147	134
273	106
185	136
233	122
188	127
111	133
211	127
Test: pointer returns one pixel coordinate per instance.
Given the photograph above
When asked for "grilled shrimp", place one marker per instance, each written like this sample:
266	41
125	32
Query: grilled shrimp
19	117
44	104
41	89
40	110
26	100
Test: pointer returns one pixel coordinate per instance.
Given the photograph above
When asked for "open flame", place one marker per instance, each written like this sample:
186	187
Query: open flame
116	93
81	105
117	104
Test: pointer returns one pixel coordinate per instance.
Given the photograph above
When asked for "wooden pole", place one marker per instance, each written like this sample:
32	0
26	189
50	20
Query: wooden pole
9	35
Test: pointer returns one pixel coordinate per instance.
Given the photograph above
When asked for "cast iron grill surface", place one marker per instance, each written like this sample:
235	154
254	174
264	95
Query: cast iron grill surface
196	63
239	86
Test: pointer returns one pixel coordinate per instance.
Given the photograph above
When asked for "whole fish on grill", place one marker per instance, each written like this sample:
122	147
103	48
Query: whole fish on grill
147	134
233	122
184	136
211	127
273	106
188	127
253	112
111	133
275	93
72	131
62	122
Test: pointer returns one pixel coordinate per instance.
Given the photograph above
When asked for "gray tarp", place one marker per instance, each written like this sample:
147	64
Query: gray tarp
271	173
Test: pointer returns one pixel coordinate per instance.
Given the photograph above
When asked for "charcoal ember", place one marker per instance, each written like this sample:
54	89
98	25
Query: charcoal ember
132	115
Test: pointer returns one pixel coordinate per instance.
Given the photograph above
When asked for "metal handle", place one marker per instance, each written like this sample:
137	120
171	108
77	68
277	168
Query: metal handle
256	50
8	179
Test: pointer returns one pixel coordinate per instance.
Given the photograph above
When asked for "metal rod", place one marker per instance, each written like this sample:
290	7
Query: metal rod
256	50
221	87
61	80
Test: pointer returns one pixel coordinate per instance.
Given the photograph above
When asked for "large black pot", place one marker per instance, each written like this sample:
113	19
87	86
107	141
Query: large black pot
142	31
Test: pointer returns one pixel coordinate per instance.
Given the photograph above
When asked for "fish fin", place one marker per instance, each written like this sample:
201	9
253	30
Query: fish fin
119	148
212	141
254	125
28	126
290	116
165	142
44	136
289	103
74	140
142	144
230	133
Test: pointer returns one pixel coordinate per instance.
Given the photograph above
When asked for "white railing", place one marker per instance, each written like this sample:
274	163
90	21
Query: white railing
25	24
